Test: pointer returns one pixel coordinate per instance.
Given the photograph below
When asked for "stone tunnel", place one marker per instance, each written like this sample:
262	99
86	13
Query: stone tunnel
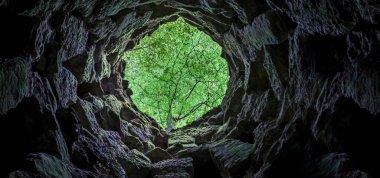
303	100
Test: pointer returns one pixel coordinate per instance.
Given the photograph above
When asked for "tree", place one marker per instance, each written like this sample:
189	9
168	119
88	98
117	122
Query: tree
176	74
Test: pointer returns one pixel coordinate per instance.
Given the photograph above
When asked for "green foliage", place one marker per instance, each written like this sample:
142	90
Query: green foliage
176	74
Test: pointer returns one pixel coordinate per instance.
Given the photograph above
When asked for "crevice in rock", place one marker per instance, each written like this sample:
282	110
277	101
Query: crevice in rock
303	99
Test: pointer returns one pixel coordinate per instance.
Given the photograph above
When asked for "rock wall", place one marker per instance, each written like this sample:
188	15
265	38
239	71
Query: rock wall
303	98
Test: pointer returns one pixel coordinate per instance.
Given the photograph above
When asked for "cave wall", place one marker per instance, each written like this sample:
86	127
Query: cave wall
303	98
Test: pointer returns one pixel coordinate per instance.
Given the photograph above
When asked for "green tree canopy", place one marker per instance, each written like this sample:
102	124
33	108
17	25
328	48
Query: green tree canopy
176	74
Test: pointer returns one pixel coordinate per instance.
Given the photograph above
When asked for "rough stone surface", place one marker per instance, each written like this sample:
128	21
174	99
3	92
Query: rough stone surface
303	98
231	157
158	154
170	167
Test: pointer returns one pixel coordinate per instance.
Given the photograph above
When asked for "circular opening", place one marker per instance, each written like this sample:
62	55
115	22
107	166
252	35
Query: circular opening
176	74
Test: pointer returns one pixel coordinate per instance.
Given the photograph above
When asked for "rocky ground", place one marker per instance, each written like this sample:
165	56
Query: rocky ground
303	100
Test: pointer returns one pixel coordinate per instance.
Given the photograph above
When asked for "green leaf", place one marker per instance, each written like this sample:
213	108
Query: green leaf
177	72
